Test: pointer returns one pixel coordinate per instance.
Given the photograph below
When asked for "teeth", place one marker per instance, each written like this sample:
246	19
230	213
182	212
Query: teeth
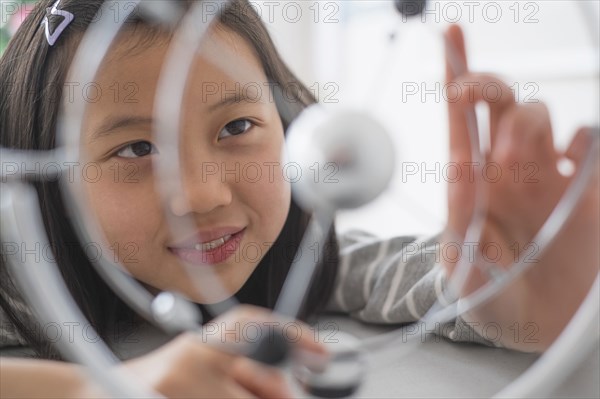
207	246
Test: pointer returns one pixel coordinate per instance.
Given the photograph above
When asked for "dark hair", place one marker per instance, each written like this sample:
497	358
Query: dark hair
32	75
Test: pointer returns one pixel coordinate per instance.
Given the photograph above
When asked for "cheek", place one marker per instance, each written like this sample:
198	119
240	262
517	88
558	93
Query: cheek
268	196
126	212
272	201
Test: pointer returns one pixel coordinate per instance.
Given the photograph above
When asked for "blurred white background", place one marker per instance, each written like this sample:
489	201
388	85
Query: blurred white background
343	52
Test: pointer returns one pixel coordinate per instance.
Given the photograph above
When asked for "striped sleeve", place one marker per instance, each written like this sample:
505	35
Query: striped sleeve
393	281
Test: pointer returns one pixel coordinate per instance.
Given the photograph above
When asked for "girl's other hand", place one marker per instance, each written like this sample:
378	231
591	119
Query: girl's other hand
192	366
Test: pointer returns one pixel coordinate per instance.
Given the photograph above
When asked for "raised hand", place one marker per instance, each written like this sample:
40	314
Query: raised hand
534	309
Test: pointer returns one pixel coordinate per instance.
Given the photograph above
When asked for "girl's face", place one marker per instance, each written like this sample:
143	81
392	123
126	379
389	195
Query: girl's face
230	151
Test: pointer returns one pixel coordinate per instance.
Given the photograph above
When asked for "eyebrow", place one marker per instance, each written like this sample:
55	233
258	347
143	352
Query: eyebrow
113	123
235	99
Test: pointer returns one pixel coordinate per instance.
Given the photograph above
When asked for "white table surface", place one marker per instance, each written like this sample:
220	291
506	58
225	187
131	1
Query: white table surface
437	368
434	368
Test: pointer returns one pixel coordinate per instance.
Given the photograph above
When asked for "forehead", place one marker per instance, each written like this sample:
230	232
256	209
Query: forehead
223	56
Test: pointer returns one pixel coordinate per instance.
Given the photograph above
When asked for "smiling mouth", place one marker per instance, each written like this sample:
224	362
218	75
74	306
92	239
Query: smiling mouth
210	252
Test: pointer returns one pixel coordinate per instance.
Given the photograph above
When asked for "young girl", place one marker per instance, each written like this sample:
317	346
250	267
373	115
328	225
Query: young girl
376	281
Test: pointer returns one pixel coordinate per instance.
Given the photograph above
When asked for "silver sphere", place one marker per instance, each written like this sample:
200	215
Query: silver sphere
346	159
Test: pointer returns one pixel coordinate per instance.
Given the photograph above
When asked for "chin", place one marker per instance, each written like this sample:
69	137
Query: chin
231	281
195	295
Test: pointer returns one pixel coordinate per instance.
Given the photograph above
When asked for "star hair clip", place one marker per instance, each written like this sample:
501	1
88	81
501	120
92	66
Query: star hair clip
65	19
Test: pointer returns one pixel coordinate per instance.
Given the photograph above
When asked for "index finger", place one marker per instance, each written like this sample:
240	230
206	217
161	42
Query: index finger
239	322
456	66
456	54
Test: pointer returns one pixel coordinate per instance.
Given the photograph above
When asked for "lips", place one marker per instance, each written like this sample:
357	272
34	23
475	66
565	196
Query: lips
209	247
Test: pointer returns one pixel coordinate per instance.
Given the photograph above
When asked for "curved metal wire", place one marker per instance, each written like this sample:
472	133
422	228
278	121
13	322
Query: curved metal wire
86	64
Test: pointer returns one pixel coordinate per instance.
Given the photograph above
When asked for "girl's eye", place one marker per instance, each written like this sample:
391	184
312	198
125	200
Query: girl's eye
137	150
236	128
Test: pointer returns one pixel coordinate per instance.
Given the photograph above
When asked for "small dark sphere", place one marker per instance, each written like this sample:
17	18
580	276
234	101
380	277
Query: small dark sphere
272	348
410	8
333	392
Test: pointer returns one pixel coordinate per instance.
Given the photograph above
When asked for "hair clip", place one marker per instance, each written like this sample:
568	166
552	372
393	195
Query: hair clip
65	17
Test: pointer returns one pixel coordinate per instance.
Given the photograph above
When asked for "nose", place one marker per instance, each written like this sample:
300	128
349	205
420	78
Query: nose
204	188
